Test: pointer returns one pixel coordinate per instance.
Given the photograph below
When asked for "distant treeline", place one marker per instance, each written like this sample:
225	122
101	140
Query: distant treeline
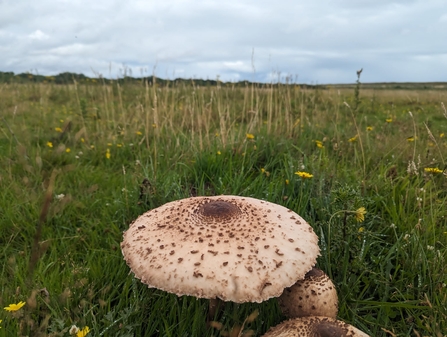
70	78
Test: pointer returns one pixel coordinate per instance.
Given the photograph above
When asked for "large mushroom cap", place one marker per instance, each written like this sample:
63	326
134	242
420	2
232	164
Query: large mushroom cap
314	326
235	248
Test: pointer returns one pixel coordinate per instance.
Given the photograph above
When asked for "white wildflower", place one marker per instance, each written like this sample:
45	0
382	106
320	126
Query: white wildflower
74	330
412	168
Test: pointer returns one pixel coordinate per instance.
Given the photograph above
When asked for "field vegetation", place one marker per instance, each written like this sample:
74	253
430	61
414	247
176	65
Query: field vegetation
365	166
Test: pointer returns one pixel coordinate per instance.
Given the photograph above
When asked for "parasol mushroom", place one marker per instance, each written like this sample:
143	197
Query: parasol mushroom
314	326
315	295
234	248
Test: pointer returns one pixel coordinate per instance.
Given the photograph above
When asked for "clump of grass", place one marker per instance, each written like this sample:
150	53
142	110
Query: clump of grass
376	199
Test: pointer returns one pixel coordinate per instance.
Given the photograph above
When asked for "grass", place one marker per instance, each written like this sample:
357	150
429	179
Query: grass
79	162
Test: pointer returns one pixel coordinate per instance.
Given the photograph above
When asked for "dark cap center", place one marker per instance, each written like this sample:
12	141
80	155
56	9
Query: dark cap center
219	210
328	328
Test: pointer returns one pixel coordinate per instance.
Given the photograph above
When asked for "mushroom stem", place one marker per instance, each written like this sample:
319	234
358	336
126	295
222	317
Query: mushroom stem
214	307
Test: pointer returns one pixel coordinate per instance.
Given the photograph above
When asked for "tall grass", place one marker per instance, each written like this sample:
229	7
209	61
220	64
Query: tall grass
86	159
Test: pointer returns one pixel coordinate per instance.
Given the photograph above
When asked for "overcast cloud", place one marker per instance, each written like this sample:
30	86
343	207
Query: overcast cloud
323	41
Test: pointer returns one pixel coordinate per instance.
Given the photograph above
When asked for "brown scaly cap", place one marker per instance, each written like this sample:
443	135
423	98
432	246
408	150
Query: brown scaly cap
315	295
314	326
235	248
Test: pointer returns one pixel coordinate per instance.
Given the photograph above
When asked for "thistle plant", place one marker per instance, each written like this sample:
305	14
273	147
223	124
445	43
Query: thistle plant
357	100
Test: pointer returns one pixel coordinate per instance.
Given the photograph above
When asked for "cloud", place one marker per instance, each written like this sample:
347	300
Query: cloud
320	42
38	35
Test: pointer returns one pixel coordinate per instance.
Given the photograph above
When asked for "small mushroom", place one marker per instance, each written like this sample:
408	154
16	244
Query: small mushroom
229	247
315	295
314	326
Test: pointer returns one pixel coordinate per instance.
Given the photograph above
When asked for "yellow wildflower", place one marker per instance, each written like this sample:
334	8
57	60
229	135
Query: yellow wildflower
353	139
119	145
61	120
109	144
361	229
432	170
219	153
319	144
287	181
92	146
67	150
139	133
360	214
250	136
369	128
14	307
154	125
388	120
108	154
304	175
441	135
262	170
83	332
58	129
82	140
410	139
49	144
217	134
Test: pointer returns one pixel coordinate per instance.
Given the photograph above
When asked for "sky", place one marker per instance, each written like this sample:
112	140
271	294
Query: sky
314	42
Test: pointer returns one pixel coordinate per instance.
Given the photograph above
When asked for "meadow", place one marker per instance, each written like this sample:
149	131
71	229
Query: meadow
80	161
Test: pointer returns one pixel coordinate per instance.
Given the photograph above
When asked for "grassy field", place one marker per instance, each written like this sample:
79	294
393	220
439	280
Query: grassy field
73	159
